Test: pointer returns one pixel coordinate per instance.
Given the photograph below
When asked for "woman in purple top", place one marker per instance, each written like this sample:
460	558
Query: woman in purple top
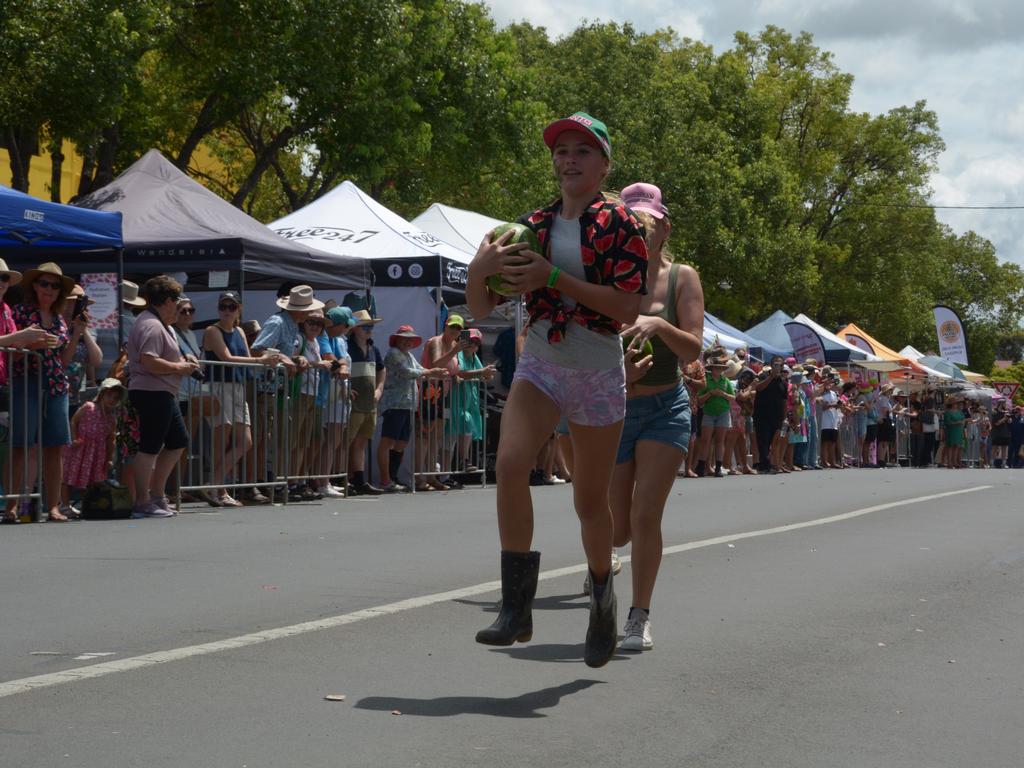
155	368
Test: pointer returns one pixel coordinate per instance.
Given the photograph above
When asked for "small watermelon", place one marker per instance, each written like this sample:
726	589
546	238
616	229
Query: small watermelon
645	349
522	234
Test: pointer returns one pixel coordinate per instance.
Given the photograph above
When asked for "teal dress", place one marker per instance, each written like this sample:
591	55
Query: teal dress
467	418
953	421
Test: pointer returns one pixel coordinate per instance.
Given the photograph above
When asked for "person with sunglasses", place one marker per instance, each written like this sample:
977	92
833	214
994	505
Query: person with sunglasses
232	431
42	388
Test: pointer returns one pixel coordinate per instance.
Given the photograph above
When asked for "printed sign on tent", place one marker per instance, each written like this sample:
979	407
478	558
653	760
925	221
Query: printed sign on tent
860	343
952	342
1006	388
806	342
101	287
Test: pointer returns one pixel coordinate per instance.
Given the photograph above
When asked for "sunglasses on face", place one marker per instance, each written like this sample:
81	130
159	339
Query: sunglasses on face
5	278
227	307
188	311
48	284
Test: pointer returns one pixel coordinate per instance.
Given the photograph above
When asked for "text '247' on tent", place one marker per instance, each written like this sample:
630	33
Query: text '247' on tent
175	224
348	222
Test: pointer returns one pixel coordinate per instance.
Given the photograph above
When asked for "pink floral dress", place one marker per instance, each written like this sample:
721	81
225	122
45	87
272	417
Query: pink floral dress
85	460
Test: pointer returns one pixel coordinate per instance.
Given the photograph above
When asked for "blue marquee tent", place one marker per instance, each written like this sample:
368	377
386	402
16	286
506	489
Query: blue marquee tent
29	228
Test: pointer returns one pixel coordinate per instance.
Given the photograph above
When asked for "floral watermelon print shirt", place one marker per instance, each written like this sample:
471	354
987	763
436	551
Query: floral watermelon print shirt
614	252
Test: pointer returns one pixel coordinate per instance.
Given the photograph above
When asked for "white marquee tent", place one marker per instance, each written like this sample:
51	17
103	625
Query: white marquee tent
463	229
407	262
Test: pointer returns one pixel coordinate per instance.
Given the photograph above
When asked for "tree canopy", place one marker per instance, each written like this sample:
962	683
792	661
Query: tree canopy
780	194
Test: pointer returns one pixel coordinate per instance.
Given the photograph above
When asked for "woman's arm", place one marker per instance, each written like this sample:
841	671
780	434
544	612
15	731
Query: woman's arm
94	353
68	353
213	341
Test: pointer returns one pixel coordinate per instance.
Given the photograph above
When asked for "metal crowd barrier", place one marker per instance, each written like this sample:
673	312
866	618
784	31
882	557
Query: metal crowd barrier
18	486
848	448
450	431
297	430
904	449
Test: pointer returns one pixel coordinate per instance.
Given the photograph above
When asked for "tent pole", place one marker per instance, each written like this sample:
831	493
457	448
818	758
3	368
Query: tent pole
120	299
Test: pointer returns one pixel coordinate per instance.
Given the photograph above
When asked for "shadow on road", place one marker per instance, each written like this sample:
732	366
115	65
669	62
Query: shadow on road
560	653
524	705
547	603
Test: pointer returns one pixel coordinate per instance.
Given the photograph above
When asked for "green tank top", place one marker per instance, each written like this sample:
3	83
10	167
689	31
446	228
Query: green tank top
666	365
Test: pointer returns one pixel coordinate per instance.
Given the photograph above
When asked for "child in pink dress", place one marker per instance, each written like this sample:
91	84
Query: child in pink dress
90	457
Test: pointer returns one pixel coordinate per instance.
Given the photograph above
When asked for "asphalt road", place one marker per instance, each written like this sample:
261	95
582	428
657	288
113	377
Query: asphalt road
824	619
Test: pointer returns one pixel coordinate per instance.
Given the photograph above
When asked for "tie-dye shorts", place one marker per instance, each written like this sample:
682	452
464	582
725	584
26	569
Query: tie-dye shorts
588	398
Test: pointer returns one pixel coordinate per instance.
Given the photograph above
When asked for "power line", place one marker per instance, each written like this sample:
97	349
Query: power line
943	207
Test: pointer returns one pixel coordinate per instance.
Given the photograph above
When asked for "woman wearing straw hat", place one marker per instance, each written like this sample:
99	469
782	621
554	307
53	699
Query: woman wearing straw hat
40	387
580	291
398	403
656	431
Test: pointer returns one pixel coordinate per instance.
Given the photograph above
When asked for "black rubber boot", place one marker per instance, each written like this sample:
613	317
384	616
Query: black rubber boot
518	587
602	632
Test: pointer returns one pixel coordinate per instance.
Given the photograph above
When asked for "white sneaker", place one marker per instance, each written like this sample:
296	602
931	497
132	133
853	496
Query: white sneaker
616	563
331	492
637	632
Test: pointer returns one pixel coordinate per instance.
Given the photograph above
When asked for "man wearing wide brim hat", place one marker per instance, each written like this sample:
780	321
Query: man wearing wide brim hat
363	317
280	334
130	295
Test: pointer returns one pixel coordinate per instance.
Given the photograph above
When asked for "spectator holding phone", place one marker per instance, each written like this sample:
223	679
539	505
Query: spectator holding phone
83	355
770	399
441	351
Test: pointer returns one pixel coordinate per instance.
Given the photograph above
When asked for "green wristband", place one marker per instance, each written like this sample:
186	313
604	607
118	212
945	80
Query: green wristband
553	277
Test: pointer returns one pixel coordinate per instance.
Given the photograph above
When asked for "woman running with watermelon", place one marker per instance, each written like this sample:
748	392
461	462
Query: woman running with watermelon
586	281
656	433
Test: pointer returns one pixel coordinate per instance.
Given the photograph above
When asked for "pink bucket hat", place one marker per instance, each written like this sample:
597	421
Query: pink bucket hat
646	198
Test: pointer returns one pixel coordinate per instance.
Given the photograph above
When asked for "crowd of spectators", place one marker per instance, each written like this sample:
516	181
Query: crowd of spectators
171	389
206	410
789	416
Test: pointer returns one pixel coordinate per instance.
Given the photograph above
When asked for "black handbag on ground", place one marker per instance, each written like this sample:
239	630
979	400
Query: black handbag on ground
102	501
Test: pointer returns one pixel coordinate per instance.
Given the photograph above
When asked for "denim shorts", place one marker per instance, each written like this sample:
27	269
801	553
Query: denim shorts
25	403
722	420
661	418
584	397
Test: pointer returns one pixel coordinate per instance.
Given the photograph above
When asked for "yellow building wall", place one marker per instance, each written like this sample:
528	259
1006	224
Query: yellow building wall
39	173
71	171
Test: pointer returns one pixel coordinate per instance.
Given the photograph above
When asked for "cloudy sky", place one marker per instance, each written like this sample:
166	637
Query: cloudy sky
964	57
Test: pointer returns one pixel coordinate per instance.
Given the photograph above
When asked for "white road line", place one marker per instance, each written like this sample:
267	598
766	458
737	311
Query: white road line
103	669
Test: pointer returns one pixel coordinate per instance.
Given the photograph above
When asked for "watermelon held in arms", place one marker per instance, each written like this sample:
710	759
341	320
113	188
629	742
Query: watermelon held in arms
521	234
645	349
